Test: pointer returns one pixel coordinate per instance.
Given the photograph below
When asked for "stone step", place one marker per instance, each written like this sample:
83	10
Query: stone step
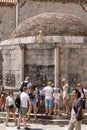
44	116
43	119
39	116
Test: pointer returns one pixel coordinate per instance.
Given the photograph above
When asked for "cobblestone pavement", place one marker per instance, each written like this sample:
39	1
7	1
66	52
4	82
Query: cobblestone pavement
39	127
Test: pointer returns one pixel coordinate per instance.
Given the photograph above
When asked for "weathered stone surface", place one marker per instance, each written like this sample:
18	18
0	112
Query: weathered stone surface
32	8
51	24
7	18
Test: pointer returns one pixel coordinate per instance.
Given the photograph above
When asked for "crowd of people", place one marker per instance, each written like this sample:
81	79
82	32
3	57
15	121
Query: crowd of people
49	96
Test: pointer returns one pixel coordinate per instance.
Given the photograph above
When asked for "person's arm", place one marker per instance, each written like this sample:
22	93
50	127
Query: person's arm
36	94
52	94
6	103
61	92
67	87
29	101
85	91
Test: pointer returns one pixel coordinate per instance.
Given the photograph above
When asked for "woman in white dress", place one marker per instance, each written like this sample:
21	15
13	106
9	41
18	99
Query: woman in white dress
65	95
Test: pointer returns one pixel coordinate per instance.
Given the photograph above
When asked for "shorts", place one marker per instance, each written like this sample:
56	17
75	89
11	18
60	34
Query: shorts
56	101
48	103
42	97
13	109
34	101
23	111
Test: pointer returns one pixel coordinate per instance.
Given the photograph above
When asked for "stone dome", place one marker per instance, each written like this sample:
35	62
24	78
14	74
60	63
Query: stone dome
51	24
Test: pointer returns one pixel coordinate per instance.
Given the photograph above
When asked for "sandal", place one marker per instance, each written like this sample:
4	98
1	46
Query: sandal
6	125
18	127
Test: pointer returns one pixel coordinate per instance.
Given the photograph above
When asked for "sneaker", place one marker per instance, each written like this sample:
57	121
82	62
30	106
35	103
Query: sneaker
18	127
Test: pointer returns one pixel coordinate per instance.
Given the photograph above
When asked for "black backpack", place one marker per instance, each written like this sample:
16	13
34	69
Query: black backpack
17	102
24	83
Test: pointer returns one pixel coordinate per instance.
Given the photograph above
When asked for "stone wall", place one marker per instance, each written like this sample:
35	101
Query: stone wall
7	21
39	60
31	8
39	63
73	62
10	65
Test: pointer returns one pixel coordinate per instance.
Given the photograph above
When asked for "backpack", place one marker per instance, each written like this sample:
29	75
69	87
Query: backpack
24	83
31	96
83	93
17	102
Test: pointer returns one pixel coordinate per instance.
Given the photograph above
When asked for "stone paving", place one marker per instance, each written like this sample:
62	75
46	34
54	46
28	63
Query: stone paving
39	127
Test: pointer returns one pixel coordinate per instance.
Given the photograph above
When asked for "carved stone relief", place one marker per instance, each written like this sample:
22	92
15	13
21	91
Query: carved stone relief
10	79
40	74
74	78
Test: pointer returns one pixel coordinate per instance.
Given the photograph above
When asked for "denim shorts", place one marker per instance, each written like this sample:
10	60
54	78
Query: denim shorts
48	103
34	101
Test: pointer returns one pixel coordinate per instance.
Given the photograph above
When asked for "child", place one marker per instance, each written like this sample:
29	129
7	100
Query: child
56	95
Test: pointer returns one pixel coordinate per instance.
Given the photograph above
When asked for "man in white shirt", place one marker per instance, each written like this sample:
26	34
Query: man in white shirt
25	101
48	92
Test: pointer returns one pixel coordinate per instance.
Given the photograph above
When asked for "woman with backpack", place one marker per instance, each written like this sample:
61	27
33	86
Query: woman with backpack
33	95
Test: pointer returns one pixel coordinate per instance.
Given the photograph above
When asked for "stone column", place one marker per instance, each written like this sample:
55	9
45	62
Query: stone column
22	47
56	66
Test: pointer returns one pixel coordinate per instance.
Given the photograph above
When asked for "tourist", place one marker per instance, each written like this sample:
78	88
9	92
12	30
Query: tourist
24	102
65	87
42	98
26	81
10	107
29	84
34	98
57	92
76	112
83	92
48	92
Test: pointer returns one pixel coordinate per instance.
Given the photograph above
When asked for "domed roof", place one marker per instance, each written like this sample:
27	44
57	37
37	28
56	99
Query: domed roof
51	24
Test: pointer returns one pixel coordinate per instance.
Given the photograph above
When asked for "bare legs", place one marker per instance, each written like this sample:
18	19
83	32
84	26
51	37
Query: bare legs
7	117
65	103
